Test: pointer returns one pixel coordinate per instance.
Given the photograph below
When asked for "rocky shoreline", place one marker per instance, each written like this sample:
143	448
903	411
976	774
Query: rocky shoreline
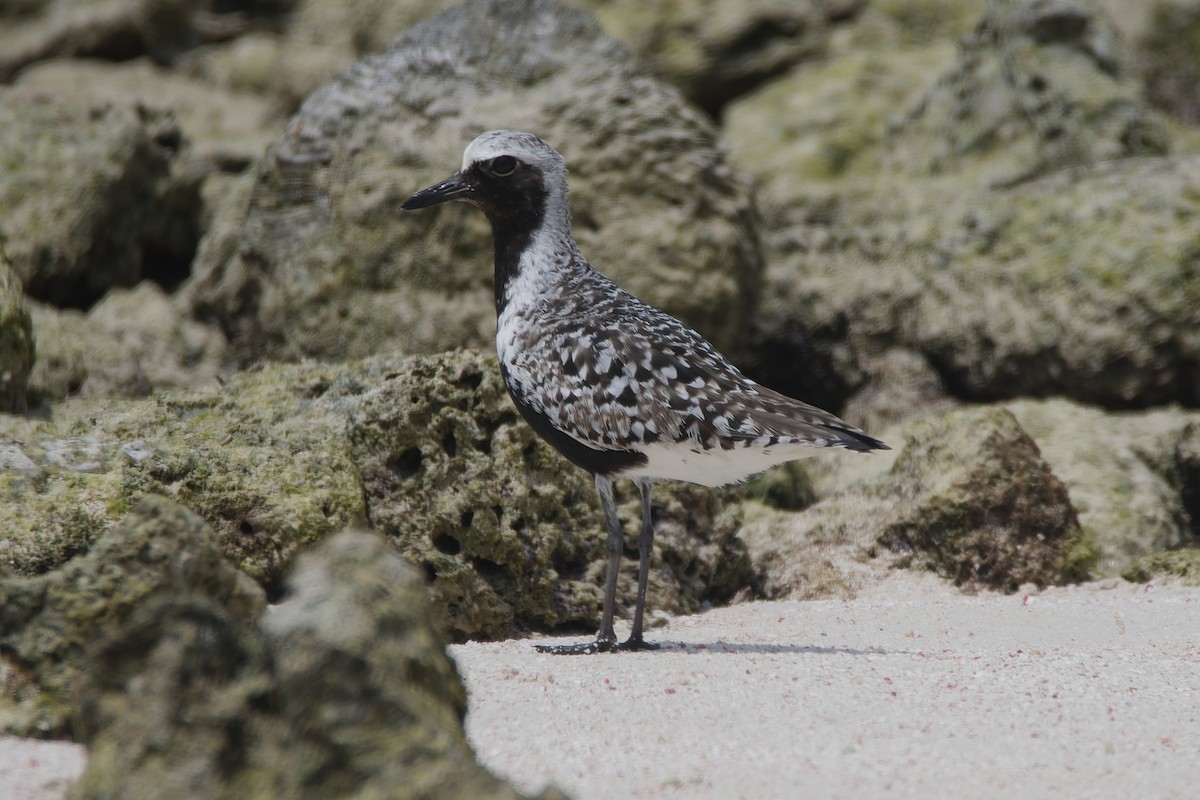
969	226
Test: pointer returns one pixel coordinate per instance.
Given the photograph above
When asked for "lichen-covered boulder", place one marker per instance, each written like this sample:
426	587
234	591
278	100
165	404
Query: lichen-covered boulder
92	196
717	50
429	450
131	343
49	622
1037	87
119	30
16	340
343	689
1134	478
509	533
956	233
968	496
327	266
260	459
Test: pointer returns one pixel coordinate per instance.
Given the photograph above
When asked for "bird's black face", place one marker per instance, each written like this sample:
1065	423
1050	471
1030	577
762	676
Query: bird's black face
510	192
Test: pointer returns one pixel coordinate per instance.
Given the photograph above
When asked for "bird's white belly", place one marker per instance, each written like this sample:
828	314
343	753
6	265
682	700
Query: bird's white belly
715	467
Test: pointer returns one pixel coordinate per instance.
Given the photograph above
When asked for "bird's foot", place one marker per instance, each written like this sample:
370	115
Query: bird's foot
637	643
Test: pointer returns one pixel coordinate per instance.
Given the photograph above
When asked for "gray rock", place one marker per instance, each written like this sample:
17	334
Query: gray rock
1035	290
225	129
327	266
1167	57
341	690
1037	87
96	200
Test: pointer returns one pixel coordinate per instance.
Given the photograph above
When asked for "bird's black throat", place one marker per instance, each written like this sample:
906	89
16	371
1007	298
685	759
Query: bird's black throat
516	209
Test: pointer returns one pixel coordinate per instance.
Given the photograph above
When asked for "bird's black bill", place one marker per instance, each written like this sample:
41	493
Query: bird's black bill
453	188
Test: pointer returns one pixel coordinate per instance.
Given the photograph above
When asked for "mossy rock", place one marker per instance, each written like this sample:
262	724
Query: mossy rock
1183	564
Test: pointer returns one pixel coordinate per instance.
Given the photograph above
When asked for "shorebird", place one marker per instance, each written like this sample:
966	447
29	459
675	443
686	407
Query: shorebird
617	386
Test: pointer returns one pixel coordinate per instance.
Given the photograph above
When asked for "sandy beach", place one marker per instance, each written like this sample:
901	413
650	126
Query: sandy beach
913	690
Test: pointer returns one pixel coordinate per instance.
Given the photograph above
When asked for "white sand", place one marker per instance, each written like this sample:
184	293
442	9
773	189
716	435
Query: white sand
911	691
38	770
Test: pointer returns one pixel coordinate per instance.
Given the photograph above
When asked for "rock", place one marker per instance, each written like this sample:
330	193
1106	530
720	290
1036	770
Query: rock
1183	564
48	622
225	129
982	507
1037	87
267	466
956	233
130	344
428	449
509	534
968	496
94	200
16	341
717	50
1048	288
828	121
1132	477
327	266
341	690
119	30
1168	59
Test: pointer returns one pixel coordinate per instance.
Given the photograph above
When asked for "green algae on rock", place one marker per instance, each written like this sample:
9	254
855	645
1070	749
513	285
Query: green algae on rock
968	496
1133	477
267	466
48	622
343	689
428	449
507	531
1183	564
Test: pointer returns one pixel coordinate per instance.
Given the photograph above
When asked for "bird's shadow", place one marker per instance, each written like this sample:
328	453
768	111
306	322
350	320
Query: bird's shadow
721	647
746	648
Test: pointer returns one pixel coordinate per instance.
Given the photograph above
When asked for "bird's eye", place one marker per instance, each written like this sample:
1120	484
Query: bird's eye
503	166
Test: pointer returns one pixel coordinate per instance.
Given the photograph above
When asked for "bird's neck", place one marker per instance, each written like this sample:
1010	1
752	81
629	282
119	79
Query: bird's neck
531	255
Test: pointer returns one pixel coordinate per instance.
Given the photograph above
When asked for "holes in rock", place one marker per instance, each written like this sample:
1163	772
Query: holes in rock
488	570
465	520
447	544
246	528
450	444
484	446
471	380
407	464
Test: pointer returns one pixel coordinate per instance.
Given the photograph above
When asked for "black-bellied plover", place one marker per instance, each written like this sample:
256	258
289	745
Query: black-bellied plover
615	385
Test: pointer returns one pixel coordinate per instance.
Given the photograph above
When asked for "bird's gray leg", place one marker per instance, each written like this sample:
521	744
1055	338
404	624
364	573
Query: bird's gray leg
606	640
645	549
